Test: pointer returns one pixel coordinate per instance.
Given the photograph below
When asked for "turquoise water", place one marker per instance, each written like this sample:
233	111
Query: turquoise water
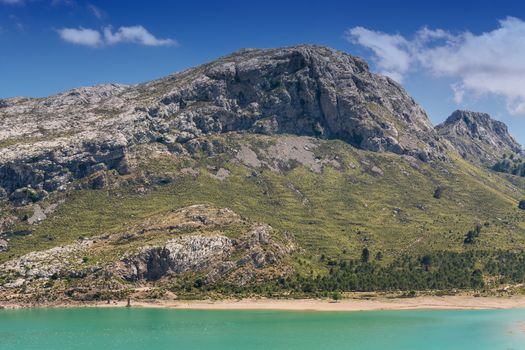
129	329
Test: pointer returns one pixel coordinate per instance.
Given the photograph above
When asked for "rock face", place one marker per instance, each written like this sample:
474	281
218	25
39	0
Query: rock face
215	255
304	90
477	136
191	253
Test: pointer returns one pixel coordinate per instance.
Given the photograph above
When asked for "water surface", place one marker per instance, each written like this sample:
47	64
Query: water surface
120	328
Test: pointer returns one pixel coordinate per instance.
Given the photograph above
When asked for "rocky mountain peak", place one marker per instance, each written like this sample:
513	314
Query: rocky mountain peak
478	137
306	90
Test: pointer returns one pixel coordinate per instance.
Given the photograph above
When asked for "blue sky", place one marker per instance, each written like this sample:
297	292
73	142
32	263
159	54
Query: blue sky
447	54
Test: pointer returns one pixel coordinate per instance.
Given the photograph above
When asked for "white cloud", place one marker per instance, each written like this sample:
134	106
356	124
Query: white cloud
81	36
487	63
95	38
135	34
391	52
459	92
97	12
426	34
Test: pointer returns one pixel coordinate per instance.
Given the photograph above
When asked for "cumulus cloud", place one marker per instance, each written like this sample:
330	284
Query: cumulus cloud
488	63
391	52
459	92
81	36
135	34
96	38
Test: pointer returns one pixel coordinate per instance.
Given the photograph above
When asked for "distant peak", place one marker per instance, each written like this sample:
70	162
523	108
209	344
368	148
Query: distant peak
476	135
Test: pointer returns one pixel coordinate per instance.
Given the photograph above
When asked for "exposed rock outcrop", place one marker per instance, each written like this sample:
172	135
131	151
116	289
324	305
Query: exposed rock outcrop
4	245
279	154
478	137
54	262
190	253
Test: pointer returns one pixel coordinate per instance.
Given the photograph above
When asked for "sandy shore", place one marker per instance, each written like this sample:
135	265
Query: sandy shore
424	302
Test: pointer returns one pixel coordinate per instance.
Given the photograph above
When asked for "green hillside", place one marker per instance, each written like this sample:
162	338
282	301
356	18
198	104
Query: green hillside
391	205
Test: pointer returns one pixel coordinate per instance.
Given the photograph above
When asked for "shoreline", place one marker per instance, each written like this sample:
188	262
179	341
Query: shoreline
348	305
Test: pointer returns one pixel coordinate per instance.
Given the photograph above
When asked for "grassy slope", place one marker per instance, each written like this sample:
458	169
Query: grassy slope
335	213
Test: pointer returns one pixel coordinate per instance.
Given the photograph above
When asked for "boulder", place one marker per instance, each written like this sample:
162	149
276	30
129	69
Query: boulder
4	245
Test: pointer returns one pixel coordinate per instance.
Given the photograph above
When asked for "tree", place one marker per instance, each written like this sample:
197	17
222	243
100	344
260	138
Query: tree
477	279
470	238
521	205
336	296
438	192
426	260
472	235
511	165
365	255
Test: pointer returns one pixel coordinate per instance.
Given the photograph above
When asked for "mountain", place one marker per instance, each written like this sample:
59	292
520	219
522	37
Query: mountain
271	172
303	90
478	137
